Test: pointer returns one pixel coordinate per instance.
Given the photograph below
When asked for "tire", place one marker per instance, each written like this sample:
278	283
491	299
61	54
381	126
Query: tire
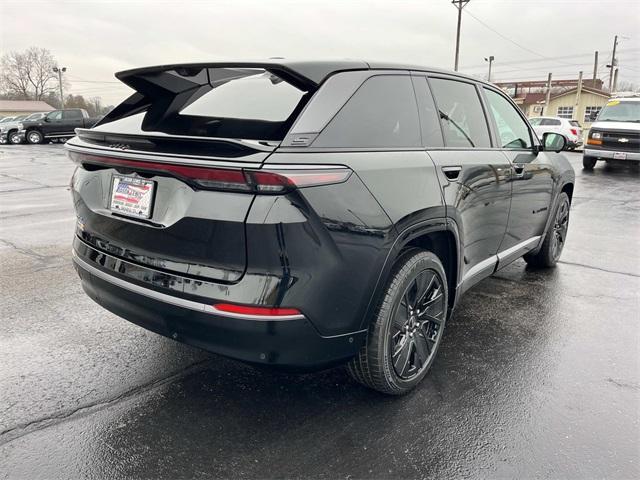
13	138
588	162
555	238
401	346
34	137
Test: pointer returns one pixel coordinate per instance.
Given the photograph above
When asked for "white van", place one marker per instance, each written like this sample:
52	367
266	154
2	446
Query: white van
615	135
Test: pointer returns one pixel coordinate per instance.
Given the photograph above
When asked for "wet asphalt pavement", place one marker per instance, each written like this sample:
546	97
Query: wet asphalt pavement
538	375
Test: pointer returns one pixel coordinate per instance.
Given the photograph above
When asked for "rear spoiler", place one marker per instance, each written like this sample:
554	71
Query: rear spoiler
161	89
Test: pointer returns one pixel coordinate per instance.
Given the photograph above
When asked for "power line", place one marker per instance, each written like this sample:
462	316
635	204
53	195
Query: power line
509	39
540	60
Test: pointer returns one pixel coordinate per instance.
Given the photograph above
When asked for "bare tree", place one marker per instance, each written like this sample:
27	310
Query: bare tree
41	74
14	78
627	86
28	74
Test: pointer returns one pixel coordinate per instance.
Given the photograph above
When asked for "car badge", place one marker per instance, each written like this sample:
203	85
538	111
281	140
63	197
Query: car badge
120	146
623	140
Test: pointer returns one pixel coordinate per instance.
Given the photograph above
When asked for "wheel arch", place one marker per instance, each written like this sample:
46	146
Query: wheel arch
437	236
568	189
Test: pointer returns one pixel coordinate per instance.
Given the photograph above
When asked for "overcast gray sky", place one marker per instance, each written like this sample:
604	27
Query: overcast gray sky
94	39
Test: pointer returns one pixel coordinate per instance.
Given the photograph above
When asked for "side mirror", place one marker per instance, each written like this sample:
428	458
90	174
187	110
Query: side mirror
46	118
553	142
593	116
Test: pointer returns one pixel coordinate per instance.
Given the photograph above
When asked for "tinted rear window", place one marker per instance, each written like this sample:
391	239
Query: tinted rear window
550	122
574	123
71	114
244	103
382	114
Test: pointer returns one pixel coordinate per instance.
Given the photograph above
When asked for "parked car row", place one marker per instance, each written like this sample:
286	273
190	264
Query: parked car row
58	125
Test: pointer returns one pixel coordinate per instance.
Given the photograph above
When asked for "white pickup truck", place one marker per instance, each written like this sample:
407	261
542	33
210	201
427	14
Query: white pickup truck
615	135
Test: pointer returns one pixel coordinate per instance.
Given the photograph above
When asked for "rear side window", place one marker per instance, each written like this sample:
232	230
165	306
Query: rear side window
513	131
431	131
71	114
550	122
381	114
461	115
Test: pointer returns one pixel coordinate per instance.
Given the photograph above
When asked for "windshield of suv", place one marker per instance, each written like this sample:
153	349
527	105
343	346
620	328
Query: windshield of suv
535	121
620	111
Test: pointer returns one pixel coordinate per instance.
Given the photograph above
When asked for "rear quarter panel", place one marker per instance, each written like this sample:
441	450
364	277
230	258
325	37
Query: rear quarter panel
345	233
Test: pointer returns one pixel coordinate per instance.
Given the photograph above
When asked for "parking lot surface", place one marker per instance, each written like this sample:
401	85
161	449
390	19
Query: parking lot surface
538	375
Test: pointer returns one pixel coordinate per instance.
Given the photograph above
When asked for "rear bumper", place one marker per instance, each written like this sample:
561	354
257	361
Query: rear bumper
288	342
609	154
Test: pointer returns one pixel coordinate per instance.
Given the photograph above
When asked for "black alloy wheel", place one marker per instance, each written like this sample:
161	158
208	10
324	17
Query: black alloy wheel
407	327
560	228
416	327
556	237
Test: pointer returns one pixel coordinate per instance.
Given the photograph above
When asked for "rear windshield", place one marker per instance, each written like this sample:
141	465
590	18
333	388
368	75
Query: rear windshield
241	103
574	123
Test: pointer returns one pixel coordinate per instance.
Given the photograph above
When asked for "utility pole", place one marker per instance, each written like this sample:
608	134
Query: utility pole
60	71
615	80
578	93
548	97
460	4
613	61
595	69
490	60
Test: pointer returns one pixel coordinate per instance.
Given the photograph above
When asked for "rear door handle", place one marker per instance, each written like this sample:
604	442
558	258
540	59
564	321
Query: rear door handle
452	173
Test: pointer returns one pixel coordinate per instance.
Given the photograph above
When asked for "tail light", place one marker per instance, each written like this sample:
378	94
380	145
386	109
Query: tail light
574	131
275	181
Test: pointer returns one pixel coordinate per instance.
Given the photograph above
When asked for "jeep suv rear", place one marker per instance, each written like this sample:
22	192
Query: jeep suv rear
306	214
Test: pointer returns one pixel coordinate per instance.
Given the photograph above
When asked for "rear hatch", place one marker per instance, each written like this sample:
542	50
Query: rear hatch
165	179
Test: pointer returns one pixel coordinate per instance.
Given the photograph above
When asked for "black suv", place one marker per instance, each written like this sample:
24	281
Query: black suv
306	214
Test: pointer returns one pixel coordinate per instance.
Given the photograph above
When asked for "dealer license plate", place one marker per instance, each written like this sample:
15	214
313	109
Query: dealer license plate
132	196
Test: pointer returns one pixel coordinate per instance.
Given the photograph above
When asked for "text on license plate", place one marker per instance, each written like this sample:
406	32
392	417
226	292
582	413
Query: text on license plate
619	156
132	196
